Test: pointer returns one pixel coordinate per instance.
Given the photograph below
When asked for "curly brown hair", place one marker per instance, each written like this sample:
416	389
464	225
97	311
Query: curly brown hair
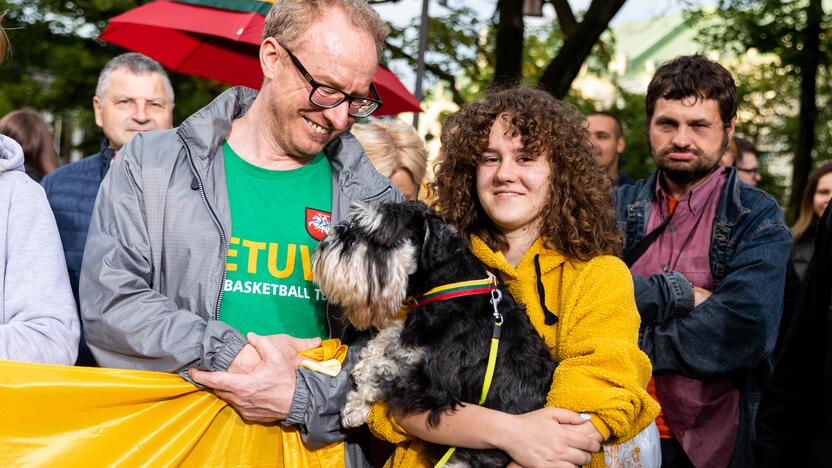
579	218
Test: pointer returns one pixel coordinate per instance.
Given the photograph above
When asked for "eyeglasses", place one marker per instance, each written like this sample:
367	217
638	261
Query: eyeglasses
329	97
748	170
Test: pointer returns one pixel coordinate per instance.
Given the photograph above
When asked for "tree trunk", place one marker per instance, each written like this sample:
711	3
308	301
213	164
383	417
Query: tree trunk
66	140
808	104
562	70
509	48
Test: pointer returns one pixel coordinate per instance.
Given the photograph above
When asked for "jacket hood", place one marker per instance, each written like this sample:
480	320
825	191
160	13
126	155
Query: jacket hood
11	155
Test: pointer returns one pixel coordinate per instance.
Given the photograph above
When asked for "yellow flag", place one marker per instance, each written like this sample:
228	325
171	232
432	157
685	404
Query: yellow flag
53	416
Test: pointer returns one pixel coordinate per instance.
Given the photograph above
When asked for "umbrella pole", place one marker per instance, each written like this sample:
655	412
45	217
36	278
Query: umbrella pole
420	61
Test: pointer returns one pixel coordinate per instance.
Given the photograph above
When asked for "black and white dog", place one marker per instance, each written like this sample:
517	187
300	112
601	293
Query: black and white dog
435	359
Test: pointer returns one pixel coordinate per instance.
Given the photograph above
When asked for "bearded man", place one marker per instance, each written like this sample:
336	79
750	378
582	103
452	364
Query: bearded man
708	257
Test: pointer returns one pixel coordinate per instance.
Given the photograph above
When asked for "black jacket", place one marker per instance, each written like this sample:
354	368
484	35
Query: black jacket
794	422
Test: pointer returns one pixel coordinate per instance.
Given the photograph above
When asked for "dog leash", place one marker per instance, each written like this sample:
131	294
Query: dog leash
459	289
469	288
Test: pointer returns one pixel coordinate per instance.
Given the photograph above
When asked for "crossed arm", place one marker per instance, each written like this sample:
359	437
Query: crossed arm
742	313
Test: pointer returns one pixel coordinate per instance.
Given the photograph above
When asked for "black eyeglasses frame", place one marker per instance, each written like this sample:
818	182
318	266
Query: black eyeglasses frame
376	99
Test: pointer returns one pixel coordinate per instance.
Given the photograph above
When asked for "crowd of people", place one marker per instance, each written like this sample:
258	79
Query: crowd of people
680	299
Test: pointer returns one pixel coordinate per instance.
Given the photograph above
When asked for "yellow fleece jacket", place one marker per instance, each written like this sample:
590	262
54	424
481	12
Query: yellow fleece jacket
601	370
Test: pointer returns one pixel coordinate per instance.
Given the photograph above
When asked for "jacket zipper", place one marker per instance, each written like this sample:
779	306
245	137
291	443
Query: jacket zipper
379	195
216	314
328	321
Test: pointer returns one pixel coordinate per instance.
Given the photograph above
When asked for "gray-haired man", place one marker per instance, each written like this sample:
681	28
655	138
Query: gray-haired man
133	95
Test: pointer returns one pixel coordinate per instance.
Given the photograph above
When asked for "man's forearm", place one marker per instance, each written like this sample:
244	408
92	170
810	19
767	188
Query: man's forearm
662	296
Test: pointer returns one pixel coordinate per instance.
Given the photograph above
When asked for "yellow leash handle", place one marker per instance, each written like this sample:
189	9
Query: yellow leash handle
489	370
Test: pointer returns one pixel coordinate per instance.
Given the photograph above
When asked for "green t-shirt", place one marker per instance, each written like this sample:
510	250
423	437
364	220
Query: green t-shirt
277	220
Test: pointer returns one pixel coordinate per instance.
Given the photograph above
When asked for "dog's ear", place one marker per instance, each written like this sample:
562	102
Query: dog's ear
384	225
363	266
441	244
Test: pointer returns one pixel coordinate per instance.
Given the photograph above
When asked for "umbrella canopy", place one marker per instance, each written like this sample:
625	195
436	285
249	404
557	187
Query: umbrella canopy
221	44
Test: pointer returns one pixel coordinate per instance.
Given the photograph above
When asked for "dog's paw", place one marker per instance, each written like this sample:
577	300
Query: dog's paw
356	410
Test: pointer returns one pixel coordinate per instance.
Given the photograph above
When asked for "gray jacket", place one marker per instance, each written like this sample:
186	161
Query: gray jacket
155	257
38	320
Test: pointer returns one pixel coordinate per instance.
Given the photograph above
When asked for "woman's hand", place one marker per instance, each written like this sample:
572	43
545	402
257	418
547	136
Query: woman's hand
549	437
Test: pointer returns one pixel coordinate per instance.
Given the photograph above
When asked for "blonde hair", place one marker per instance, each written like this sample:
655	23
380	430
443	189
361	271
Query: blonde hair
288	19
393	145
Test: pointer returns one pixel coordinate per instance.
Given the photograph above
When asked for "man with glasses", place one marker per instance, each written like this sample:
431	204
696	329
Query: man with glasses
198	258
746	162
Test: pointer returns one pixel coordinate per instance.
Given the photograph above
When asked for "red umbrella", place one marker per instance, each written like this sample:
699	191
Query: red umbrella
219	44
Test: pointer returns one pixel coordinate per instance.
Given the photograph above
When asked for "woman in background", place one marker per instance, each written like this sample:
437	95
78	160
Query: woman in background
396	151
27	127
815	198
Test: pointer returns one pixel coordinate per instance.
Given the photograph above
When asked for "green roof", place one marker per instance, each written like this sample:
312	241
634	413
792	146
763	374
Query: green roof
657	40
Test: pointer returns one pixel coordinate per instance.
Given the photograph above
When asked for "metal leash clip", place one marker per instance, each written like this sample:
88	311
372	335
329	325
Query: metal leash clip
496	297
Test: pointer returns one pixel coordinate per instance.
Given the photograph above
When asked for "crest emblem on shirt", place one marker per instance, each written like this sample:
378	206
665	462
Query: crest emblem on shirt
317	223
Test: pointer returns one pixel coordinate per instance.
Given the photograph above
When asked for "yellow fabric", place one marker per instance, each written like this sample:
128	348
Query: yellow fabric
81	416
601	371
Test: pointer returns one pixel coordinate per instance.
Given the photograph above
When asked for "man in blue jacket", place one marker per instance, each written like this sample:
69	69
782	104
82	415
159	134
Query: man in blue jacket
708	256
133	95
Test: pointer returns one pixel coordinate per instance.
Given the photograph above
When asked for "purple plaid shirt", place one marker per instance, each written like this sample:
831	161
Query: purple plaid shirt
685	244
702	414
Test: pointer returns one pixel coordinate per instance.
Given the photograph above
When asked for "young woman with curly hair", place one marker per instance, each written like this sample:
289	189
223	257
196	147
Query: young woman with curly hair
520	180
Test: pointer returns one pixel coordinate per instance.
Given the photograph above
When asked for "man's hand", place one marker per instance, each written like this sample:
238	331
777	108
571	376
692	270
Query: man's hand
550	437
700	295
264	394
246	361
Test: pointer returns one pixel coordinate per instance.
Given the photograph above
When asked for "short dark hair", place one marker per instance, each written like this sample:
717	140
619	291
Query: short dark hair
617	119
743	146
694	76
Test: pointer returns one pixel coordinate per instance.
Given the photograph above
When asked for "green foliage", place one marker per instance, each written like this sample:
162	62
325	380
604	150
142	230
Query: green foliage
542	43
769	36
461	46
56	59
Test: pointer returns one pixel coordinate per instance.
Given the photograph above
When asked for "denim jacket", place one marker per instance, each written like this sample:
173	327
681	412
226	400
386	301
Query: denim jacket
734	331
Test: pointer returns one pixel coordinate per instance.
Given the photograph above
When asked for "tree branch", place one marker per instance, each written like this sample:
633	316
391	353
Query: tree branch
508	52
566	18
562	70
398	52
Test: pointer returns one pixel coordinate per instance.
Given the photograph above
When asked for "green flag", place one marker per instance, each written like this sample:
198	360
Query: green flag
256	6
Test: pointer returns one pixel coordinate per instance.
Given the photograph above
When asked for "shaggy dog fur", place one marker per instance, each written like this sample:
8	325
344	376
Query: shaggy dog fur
436	358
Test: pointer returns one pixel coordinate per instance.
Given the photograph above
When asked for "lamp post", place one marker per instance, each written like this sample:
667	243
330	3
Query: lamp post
420	60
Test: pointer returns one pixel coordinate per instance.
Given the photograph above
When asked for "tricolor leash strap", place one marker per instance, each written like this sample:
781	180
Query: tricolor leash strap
452	290
496	297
